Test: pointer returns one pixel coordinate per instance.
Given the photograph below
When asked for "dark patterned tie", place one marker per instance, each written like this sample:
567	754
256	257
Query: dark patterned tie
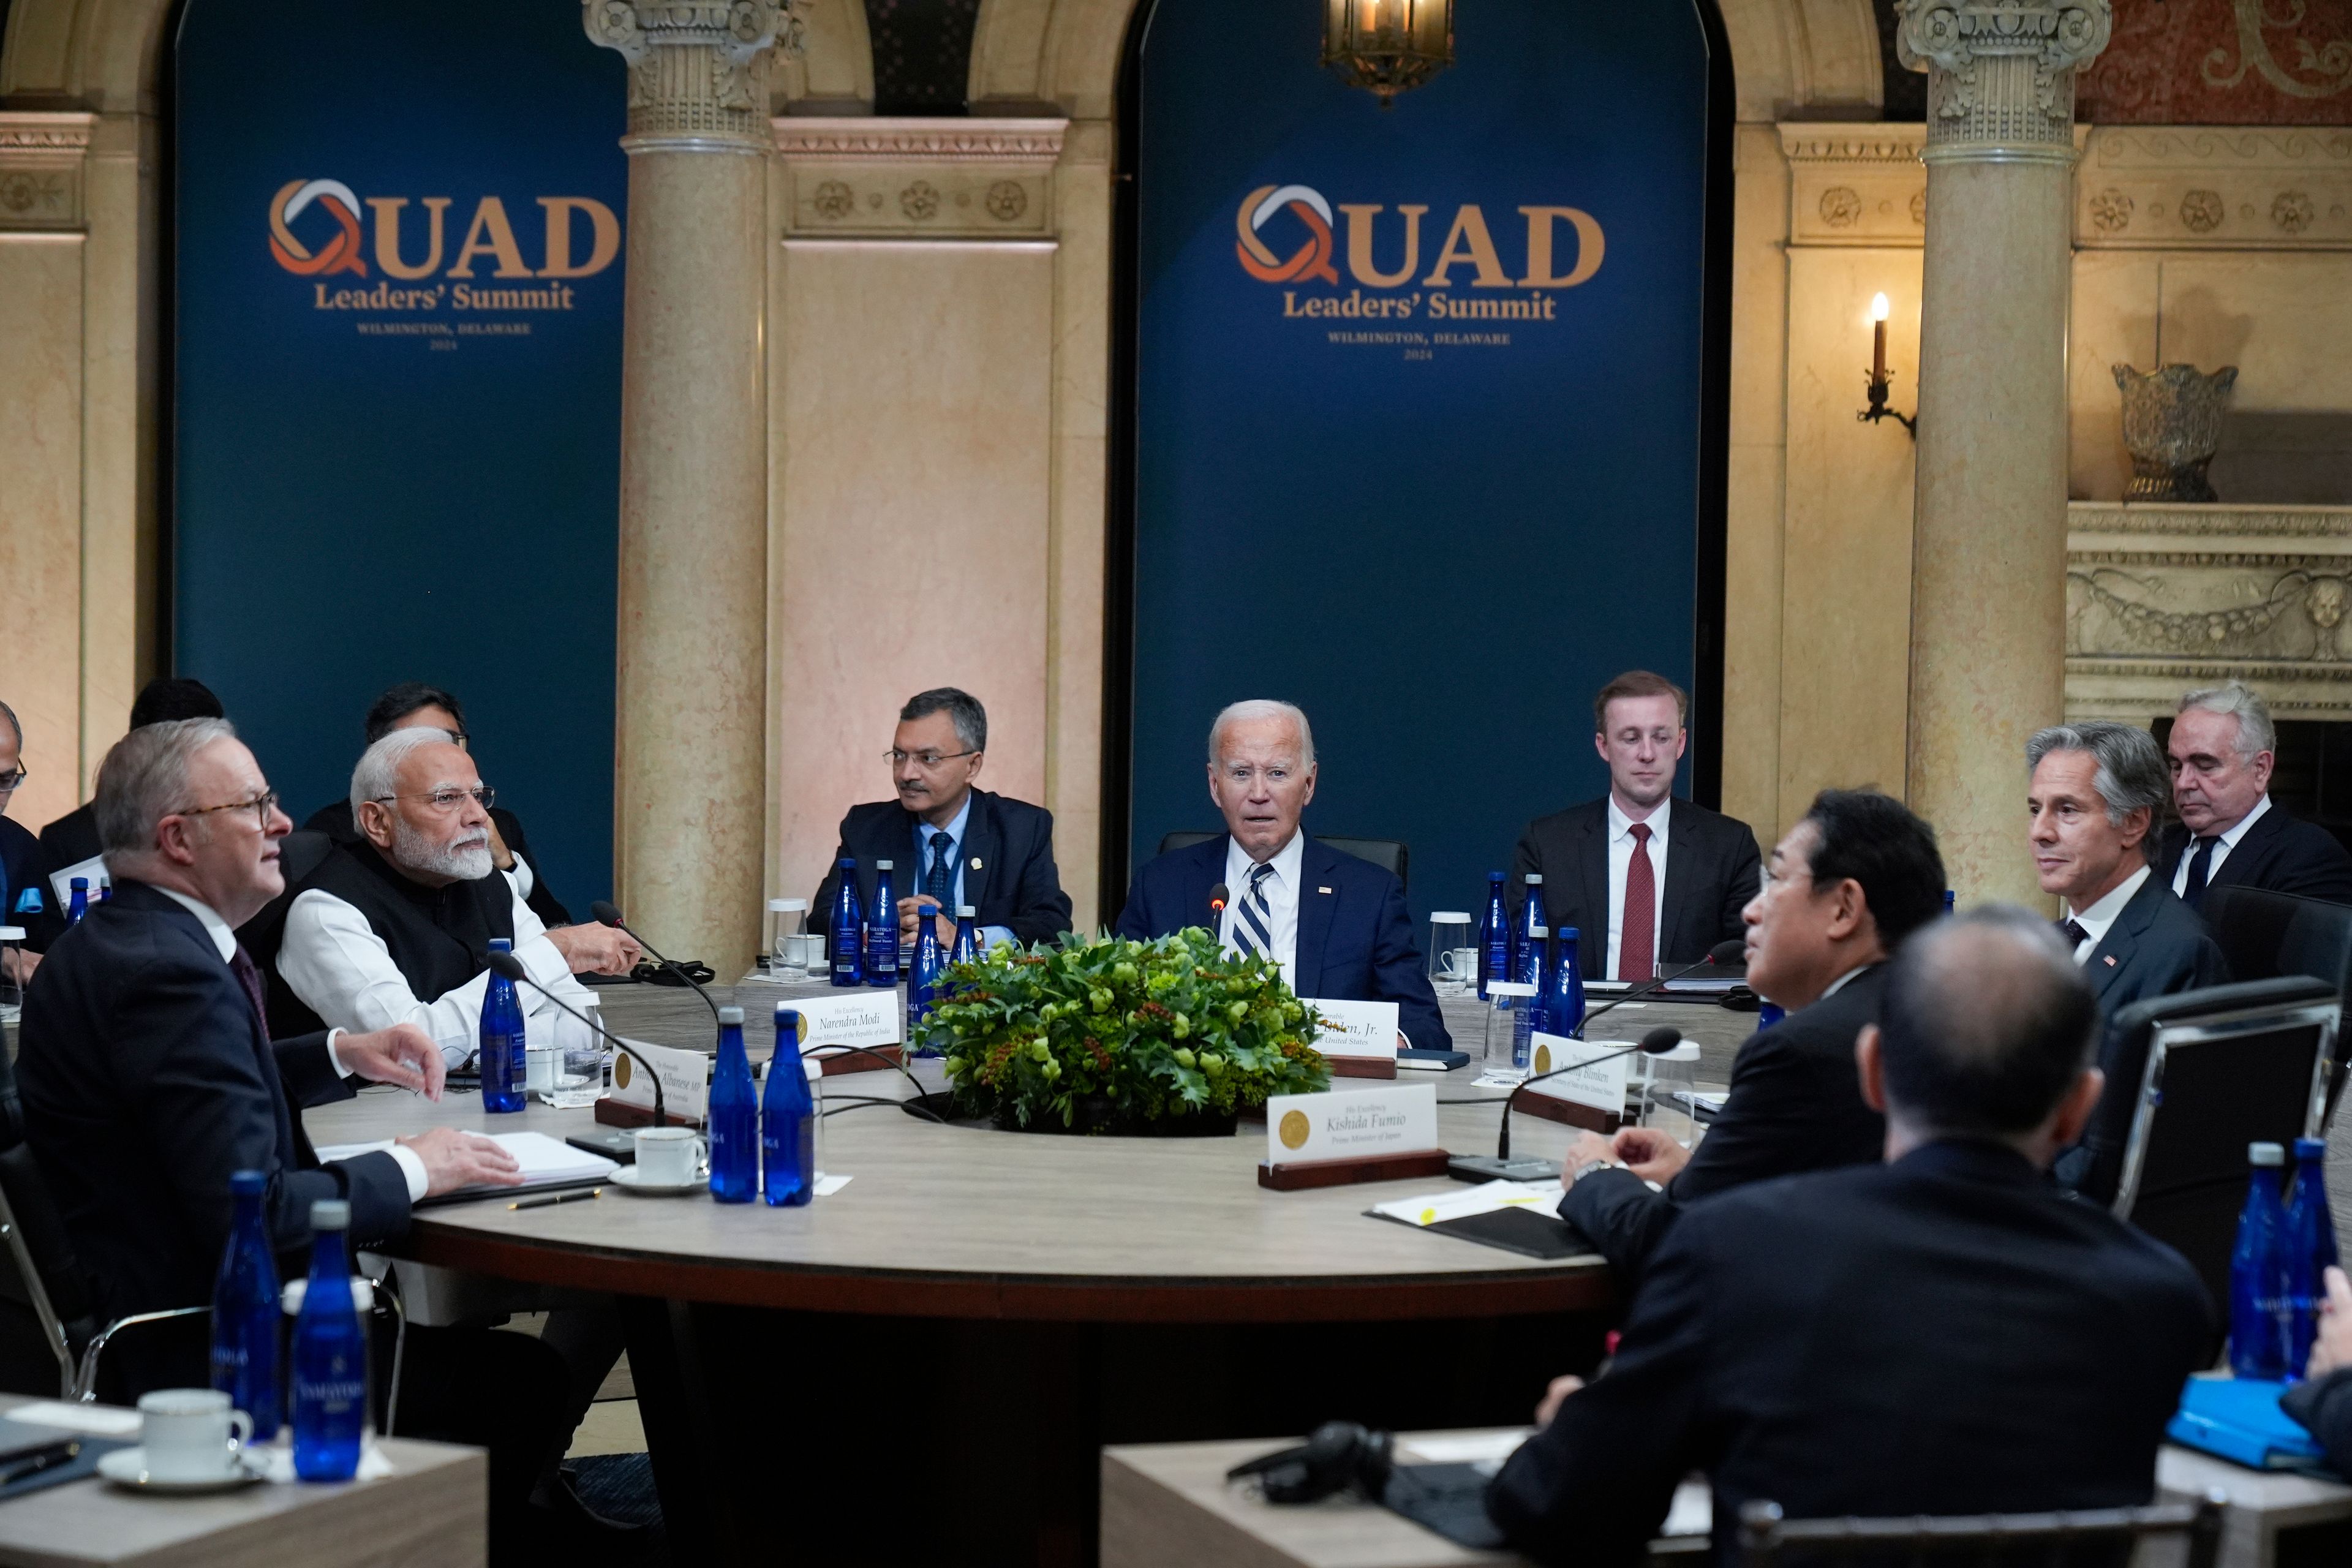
249	975
942	876
2072	933
1637	943
2201	866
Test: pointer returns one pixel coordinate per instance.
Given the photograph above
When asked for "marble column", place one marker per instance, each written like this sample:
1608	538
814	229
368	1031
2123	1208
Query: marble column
690	730
1989	554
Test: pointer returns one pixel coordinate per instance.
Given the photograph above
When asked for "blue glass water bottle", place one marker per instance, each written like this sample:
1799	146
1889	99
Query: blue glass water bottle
923	976
245	1312
503	1042
1951	901
1494	937
788	1119
967	942
1531	916
733	1126
1564	1009
2310	1248
2259	1309
882	930
331	1391
1535	947
1768	1013
106	889
77	900
846	931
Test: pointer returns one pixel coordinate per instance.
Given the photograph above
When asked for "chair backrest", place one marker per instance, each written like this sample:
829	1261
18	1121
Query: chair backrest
2265	934
2195	1078
41	1278
2107	1535
1388	854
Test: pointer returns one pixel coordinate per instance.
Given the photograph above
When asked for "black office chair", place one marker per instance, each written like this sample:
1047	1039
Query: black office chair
1386	853
2193	1078
2106	1535
2265	934
45	1309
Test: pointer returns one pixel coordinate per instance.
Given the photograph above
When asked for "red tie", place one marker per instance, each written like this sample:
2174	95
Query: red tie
1636	945
249	975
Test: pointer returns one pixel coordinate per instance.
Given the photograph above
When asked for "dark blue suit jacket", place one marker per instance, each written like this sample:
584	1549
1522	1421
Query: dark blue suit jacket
1355	938
1014	883
147	1079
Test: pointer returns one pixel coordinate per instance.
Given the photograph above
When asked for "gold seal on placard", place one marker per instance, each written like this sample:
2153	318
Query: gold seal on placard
622	1070
1294	1129
1543	1058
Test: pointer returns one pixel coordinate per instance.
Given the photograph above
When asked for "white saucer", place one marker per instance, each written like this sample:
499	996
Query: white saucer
627	1177
128	1468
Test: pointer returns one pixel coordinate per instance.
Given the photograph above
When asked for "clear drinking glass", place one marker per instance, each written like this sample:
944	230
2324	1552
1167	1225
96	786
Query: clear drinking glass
1508	1005
1664	1079
12	995
1452	934
584	1057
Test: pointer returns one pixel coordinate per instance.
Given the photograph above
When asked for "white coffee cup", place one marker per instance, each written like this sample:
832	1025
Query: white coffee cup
804	953
190	1434
668	1155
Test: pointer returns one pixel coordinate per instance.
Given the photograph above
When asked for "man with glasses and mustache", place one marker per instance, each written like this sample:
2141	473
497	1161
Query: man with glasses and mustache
396	926
948	843
20	850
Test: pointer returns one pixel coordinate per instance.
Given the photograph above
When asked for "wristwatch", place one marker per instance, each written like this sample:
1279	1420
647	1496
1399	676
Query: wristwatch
1591	1165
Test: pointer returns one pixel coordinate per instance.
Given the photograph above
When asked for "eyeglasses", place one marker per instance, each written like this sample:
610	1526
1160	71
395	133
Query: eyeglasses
11	780
448	800
261	805
926	761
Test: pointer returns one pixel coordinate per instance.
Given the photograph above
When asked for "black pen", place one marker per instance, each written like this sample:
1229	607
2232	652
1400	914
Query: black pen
550	1201
47	1458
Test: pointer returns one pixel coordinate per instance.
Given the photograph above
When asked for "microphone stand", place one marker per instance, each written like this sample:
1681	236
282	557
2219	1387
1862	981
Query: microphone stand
608	914
1715	955
617	1144
1501	1167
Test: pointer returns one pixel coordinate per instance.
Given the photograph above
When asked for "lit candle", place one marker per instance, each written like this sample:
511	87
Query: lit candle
1877	338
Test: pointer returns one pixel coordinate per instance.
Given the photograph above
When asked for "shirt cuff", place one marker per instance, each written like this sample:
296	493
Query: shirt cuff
412	1165
990	935
335	1057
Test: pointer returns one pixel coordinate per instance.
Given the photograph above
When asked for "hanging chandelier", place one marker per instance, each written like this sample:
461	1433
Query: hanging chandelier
1388	47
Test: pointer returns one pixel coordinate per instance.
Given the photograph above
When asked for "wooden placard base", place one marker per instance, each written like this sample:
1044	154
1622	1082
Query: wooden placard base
1362	1067
1567	1112
611	1112
1302	1173
868	1058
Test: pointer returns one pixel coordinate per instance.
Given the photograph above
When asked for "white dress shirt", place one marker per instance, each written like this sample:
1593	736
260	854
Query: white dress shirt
1621	857
1281	897
2221	848
2102	914
333	960
224	939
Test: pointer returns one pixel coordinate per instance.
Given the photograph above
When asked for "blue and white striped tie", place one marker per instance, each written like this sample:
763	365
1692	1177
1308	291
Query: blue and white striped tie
1253	918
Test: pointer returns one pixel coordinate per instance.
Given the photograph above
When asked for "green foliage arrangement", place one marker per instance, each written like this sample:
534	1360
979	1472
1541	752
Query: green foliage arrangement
1112	1036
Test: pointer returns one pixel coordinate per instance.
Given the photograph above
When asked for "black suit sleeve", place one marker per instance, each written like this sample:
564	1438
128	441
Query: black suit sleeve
1621	1216
1744	876
1593	1487
204	1101
1400	976
308	1072
1041	911
2325	1408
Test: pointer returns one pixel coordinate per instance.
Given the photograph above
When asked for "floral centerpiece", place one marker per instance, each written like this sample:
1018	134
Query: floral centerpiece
1111	1036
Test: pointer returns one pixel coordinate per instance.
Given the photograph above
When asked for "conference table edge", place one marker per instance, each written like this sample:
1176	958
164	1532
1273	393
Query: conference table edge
1584	1284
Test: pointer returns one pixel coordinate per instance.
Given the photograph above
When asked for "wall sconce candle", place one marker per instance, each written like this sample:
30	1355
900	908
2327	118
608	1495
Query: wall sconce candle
1877	385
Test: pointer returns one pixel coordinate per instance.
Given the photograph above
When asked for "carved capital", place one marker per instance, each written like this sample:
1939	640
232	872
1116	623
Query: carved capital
2000	73
697	68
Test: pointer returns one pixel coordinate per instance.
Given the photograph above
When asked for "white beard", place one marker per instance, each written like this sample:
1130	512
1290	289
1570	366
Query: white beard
469	860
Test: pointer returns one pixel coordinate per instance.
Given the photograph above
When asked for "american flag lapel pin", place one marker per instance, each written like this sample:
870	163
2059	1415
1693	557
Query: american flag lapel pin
1322	890
2111	961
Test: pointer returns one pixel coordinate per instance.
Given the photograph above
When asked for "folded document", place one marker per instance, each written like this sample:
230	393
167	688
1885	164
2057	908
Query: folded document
546	1162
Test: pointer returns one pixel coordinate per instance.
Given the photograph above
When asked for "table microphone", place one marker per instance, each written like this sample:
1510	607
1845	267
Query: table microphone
609	914
1502	1167
1723	951
615	1144
1218	895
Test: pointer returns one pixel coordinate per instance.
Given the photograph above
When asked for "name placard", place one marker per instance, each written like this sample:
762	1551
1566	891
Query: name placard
685	1080
1601	1086
1356	1028
859	1018
1351	1123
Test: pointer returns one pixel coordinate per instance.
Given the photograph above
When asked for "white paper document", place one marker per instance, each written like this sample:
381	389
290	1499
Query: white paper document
546	1161
1461	1203
104	1421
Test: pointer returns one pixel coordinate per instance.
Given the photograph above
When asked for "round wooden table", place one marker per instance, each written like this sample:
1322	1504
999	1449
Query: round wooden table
1014	1294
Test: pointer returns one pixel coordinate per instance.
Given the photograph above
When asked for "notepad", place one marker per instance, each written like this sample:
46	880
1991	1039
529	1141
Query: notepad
1516	1216
547	1162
